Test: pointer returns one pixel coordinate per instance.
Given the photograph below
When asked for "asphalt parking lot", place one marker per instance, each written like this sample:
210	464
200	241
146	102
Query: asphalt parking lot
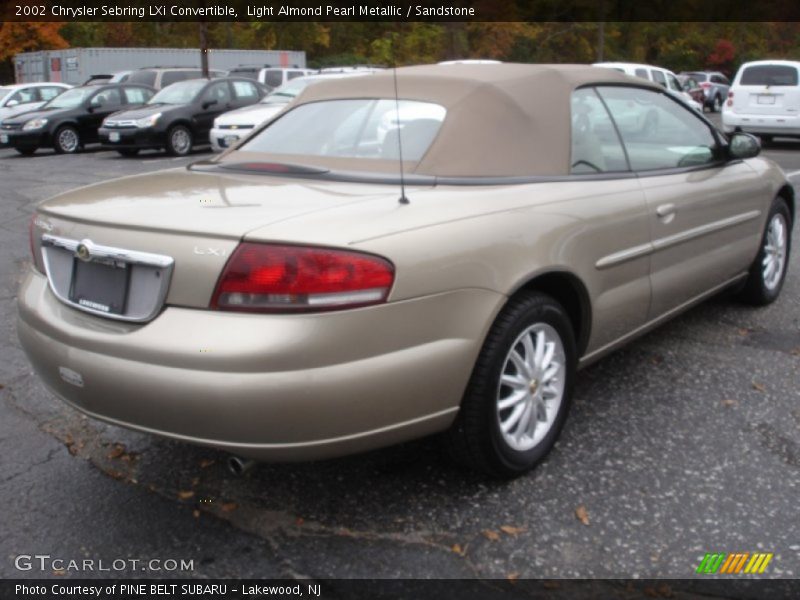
685	442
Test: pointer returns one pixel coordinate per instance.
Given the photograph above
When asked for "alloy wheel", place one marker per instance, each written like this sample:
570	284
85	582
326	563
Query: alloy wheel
774	261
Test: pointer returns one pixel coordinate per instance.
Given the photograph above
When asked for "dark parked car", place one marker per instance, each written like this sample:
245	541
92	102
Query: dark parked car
179	116
71	120
715	87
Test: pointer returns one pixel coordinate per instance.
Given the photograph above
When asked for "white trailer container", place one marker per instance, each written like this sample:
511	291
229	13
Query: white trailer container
76	65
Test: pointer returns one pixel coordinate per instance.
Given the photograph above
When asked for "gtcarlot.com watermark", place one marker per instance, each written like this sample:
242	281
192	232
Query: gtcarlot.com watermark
50	564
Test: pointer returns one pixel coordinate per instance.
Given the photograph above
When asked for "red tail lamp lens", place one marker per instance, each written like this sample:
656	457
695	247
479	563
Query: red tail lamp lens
279	278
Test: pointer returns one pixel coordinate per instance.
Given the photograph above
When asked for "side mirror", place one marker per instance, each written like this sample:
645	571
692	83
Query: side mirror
209	103
11	103
743	145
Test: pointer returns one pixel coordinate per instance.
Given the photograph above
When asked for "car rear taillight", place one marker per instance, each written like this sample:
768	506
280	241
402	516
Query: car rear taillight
281	278
730	99
705	85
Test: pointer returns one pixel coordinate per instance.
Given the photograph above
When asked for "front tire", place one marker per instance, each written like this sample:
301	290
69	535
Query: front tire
768	271
179	140
67	140
520	391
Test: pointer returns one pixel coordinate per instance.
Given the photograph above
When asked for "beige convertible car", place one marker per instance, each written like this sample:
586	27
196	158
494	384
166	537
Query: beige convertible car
396	257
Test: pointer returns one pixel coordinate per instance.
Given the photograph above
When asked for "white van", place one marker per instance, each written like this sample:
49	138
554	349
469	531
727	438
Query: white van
764	99
659	75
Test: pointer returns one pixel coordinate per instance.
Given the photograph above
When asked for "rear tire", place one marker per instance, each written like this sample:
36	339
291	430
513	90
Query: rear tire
66	140
179	140
520	391
716	104
128	151
768	271
26	151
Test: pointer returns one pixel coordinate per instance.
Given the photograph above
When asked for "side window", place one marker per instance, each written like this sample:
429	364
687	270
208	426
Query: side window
245	91
219	92
596	147
170	77
658	132
24	96
48	93
659	78
107	98
293	74
273	78
673	82
642	73
137	95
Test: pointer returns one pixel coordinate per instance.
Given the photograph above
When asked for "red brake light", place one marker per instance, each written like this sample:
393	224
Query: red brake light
705	84
281	278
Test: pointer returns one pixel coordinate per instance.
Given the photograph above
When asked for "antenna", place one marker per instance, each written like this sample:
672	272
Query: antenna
403	199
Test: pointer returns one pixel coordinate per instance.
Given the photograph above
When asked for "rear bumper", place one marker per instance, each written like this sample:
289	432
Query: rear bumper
273	387
132	138
761	124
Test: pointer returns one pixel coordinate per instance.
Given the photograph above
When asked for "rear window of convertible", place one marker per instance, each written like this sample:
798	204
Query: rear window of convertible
361	128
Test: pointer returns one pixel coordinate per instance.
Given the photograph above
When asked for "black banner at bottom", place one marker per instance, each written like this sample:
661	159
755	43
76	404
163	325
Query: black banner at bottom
398	589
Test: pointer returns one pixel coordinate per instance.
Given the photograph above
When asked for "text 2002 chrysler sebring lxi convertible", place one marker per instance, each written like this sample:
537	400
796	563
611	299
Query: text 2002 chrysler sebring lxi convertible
284	302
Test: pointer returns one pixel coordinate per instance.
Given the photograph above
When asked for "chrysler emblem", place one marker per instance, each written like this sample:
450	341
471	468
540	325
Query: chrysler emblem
83	252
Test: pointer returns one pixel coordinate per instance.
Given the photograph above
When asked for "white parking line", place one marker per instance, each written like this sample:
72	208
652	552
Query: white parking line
793	174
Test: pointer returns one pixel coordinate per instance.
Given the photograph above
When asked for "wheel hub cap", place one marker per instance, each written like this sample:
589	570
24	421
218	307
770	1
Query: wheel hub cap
531	386
774	260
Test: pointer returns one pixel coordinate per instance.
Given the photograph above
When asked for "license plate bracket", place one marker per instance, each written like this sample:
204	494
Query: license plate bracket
766	99
113	136
100	285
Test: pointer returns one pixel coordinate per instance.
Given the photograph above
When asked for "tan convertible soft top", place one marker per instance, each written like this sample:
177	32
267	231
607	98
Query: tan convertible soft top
502	119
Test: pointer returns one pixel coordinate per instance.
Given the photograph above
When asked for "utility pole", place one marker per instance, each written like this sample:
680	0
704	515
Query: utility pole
204	48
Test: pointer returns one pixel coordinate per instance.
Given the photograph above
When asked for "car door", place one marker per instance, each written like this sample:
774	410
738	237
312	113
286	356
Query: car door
215	100
704	212
100	105
612	251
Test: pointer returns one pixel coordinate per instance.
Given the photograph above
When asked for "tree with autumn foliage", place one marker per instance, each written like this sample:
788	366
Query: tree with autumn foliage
16	37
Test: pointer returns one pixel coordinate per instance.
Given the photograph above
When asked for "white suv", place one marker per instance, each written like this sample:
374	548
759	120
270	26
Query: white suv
764	99
659	75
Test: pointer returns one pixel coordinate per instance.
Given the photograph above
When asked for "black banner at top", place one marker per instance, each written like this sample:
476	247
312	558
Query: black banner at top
399	10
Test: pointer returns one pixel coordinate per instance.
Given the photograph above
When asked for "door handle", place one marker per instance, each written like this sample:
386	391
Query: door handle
666	212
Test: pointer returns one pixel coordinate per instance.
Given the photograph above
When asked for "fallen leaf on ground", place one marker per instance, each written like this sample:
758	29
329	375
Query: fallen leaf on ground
743	331
196	514
299	521
729	402
512	577
206	462
229	507
195	481
457	549
185	494
491	535
582	514
117	451
795	351
508	529
759	386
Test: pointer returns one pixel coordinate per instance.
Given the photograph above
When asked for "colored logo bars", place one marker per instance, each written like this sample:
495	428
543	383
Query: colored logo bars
722	563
